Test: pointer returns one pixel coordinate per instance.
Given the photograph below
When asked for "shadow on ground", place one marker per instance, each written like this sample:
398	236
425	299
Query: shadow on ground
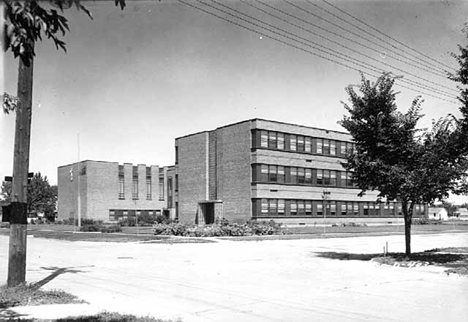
56	272
431	257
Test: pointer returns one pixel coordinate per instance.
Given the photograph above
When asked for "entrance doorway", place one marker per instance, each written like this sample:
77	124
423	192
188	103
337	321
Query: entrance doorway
208	212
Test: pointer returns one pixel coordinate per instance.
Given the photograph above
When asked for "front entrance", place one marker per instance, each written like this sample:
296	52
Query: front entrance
209	211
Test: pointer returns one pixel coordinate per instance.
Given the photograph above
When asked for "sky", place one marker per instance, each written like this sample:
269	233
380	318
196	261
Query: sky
134	80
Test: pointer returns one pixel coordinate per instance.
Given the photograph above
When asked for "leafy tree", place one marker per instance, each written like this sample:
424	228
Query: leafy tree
42	197
393	157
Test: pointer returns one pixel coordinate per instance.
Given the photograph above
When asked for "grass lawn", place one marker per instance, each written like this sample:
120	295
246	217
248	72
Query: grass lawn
144	234
29	294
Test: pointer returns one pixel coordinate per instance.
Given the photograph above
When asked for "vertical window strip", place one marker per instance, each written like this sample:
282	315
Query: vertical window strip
148	188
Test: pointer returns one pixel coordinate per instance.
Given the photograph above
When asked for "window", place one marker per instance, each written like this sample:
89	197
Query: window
281	174
308	176
135	188
264	209
333	178
300	176
280	206
121	187
301	207
332	147
344	209
320	177
176	182
161	187
300	143
365	208
320	209
319	146
272	142
326	146
264	139
326	177
346	148
176	155
272	174
293	175
332	206
273	210
308	208
264	173
308	145
356	209
281	141
148	188
293	143
293	207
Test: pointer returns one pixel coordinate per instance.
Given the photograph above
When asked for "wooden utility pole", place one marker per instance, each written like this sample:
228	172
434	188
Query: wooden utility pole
19	189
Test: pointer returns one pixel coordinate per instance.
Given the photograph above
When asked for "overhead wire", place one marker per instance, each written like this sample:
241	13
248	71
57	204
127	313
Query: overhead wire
355	34
335	53
339	53
341	36
303	49
384	34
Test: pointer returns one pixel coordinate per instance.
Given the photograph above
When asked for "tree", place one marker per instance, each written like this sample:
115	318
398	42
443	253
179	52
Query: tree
42	197
393	157
25	23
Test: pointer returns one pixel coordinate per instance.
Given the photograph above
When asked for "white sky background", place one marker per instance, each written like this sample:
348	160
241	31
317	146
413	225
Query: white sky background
134	80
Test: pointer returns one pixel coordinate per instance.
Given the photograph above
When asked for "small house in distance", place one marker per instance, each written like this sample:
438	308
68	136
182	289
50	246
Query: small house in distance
437	213
462	214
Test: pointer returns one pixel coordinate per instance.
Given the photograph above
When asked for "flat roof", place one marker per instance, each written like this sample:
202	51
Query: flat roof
154	165
265	120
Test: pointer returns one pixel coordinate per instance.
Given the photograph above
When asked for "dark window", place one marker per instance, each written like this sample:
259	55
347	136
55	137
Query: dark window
281	174
308	176
272	175
121	187
169	192
148	188
135	188
161	187
272	141
300	143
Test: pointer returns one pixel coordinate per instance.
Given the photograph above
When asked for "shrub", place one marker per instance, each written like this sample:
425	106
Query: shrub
129	222
111	229
219	229
161	219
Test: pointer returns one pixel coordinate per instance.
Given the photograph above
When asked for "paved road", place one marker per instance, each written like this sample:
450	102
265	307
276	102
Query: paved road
251	281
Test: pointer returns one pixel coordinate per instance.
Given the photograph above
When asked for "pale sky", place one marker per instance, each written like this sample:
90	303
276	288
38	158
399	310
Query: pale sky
134	80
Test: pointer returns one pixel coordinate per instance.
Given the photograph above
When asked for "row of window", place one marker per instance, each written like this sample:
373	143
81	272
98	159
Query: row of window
267	173
300	143
118	214
135	183
324	208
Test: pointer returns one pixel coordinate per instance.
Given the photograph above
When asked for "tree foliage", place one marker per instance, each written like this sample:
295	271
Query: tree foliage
394	157
42	197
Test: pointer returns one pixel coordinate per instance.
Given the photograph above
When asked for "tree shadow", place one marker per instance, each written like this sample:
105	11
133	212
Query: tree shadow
428	257
347	256
56	272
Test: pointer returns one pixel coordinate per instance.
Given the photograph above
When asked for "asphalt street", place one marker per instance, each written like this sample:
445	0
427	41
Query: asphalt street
281	280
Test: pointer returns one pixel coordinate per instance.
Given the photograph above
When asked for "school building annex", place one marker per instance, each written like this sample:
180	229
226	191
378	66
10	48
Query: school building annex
251	170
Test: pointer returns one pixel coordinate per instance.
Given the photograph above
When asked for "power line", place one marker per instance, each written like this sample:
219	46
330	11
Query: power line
341	36
356	34
335	53
384	34
303	49
367	56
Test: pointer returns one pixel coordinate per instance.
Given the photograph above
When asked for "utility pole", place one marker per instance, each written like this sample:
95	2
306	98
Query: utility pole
19	189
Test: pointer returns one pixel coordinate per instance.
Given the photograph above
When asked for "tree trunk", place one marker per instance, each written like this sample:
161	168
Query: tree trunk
408	215
18	221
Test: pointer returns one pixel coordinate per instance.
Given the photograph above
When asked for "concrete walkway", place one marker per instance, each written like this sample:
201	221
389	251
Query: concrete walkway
282	280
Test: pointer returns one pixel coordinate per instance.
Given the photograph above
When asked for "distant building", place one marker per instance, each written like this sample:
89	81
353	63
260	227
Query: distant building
437	213
110	191
262	170
462	214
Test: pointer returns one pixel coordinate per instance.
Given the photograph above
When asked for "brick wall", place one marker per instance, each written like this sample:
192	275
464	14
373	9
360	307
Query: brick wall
234	171
192	170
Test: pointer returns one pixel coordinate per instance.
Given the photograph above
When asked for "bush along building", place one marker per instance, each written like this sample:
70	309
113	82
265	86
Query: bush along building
110	192
263	170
